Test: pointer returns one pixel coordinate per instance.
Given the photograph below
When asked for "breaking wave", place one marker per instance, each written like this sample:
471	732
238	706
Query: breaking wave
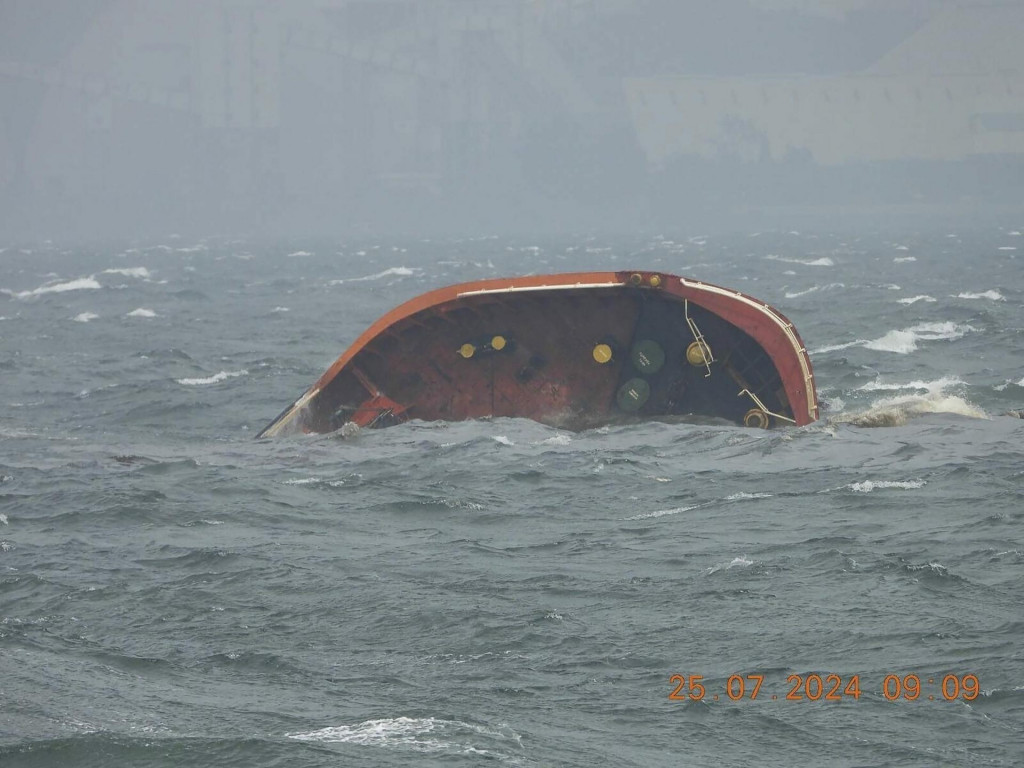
939	385
867	486
905	340
217	377
993	295
421	734
824	261
814	289
397	271
736	562
81	284
140	272
898	410
663	513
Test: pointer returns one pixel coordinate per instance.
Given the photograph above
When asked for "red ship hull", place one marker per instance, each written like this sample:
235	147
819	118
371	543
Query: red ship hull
574	350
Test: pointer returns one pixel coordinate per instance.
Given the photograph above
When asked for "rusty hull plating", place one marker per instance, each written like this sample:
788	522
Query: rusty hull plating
573	350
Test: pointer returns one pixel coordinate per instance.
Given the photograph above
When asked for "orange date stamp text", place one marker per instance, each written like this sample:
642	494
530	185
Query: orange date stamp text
826	687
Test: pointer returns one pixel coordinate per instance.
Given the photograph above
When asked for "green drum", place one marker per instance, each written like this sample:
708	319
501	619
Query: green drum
647	356
633	394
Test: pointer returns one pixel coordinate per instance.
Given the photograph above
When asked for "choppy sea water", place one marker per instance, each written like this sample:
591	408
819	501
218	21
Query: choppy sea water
175	592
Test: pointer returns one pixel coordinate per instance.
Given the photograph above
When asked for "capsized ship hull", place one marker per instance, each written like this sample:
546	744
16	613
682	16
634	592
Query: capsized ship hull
572	350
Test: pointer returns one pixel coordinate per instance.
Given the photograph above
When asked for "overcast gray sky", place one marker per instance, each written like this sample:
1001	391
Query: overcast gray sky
124	117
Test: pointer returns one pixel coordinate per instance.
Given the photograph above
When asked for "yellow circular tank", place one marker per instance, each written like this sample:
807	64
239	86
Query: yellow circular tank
757	418
602	353
697	352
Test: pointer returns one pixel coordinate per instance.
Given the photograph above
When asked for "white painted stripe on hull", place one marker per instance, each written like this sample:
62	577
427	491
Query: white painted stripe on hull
274	429
521	289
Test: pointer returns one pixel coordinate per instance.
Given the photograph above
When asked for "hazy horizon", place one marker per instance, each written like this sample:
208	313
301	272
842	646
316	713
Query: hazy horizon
350	117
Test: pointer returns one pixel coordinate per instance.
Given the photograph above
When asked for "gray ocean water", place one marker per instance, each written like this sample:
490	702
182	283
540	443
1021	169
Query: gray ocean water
174	592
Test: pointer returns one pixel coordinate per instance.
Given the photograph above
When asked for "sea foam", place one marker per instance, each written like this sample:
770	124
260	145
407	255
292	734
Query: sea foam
898	410
993	295
824	261
217	377
904	341
140	272
420	734
397	271
81	284
815	289
867	486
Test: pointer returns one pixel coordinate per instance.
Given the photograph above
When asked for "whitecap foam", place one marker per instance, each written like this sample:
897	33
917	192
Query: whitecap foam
662	513
421	734
904	259
938	385
936	568
396	271
501	439
915	299
815	289
901	342
742	496
3	519
302	481
141	312
837	347
736	562
560	439
297	254
824	261
993	295
902	248
314	481
905	341
217	377
867	486
140	272
280	309
896	411
80	284
835	404
85	317
1002	387
1007	248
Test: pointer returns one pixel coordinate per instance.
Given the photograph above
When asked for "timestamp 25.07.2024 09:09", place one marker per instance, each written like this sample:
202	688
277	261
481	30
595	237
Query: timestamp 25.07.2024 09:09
828	687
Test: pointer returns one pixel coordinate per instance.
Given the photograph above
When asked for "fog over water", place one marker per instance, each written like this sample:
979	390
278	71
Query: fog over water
203	202
347	117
